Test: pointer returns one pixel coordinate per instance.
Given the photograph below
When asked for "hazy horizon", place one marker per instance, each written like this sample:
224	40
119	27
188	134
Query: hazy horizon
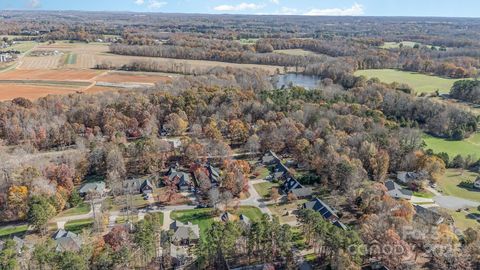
361	8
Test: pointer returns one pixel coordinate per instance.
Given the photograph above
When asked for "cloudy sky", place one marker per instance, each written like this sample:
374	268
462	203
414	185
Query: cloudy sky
447	8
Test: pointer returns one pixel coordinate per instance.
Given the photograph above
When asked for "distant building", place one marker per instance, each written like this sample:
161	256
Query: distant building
397	192
6	57
67	241
94	187
184	234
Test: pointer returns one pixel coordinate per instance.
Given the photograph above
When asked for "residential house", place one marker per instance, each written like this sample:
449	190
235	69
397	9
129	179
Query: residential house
213	173
290	184
181	178
428	215
94	187
184	234
326	211
397	192
476	184
146	187
67	241
412	178
141	185
270	158
302	193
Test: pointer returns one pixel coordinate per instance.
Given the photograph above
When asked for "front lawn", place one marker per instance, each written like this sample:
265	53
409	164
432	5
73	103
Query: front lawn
281	210
449	184
82	208
77	226
205	217
265	189
15	229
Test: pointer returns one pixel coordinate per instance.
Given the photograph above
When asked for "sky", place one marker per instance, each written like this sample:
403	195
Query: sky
436	8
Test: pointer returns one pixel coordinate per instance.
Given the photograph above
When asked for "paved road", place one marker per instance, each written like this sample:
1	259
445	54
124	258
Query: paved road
452	202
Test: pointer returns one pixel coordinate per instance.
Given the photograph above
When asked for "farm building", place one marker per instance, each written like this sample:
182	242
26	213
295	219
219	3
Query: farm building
6	57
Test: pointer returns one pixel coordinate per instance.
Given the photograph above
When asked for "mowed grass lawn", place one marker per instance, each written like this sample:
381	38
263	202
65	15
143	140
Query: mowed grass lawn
265	189
77	226
205	217
469	146
448	184
82	208
14	229
421	83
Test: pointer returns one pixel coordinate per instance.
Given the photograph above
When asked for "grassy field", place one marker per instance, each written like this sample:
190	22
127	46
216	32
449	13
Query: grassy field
9	230
264	189
449	184
77	226
81	209
22	46
396	45
421	83
299	52
469	146
205	217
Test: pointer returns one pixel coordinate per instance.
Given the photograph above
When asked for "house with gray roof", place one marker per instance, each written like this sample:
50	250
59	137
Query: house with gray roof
140	185
184	234
181	178
94	187
325	210
303	192
270	158
67	241
428	215
397	192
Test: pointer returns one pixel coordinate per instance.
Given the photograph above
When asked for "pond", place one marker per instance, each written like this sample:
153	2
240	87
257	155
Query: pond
292	79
